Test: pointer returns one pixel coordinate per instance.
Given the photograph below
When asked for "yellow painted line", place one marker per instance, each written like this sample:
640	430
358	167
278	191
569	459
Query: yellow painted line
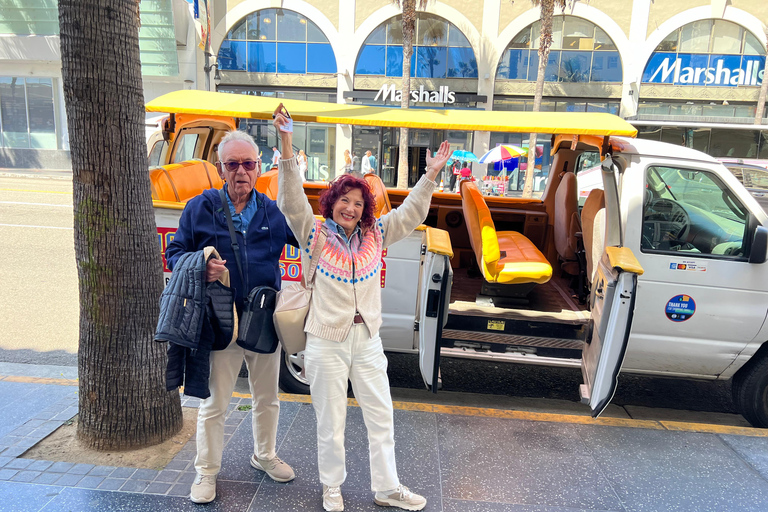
38	380
35	191
481	412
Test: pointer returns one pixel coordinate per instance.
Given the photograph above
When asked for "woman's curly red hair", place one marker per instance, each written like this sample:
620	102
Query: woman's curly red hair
341	186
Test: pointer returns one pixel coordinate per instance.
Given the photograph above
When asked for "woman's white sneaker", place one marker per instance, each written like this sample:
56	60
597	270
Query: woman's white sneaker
402	498
203	489
332	500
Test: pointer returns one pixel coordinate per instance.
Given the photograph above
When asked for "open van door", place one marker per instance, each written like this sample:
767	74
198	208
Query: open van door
612	301
434	298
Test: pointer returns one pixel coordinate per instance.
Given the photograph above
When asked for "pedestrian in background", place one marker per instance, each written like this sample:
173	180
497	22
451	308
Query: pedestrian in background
262	233
365	166
302	161
343	342
275	155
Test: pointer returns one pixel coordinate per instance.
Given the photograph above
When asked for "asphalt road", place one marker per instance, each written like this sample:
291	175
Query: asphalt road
39	321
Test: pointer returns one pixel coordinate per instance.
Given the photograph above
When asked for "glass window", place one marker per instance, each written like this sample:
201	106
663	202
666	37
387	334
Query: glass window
315	35
440	50
578	34
691	211
763	153
606	67
232	55
752	45
395	31
262	26
574	66
694	37
157	154
521	40
456	38
685	109
320	58
431	32
185	148
291	58
602	41
588	54
461	63
42	127
371	60
669	43
262	57
734	143
431	61
649	132
300	40
726	37
291	26
238	31
13	110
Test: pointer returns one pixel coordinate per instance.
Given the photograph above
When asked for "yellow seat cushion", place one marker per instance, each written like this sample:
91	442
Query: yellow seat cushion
507	257
522	262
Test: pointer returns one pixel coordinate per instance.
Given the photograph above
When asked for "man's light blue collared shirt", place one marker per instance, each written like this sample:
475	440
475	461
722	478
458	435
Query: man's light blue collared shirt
242	220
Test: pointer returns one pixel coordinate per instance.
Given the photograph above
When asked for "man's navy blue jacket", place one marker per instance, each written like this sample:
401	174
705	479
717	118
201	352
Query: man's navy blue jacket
204	223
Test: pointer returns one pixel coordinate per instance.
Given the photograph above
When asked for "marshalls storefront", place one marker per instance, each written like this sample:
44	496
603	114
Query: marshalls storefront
685	73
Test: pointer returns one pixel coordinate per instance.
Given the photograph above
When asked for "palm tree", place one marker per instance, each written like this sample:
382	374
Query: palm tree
545	41
122	398
409	29
763	89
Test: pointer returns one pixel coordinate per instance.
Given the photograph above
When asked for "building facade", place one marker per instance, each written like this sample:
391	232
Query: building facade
684	72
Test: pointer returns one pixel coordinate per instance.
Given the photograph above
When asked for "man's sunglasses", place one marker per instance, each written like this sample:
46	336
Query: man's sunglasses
248	165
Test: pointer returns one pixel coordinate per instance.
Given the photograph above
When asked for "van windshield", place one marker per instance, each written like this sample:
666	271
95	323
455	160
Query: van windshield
691	210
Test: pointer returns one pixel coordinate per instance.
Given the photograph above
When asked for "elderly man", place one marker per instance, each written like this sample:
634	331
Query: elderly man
365	166
261	232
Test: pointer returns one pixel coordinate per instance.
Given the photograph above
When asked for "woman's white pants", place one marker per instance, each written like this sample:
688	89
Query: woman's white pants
360	359
263	374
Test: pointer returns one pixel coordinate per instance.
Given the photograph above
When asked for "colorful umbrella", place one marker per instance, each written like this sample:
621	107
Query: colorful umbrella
462	156
503	152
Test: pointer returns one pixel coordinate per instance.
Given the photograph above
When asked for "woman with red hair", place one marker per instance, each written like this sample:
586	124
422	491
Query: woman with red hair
342	327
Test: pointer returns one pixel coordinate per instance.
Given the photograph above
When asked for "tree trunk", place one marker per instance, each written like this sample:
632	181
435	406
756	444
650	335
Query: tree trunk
763	90
123	402
409	29
545	41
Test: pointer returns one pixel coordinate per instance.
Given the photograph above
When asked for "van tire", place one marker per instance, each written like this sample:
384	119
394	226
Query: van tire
750	391
290	379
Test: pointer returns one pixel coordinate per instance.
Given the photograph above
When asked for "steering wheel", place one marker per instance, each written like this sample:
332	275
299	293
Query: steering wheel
666	224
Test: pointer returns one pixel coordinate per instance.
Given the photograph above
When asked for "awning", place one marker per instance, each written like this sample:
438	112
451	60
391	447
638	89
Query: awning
261	107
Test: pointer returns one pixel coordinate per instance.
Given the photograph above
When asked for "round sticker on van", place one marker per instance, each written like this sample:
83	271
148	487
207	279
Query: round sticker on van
680	308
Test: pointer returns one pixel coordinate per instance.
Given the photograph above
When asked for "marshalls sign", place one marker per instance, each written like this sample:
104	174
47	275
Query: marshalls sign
388	92
702	69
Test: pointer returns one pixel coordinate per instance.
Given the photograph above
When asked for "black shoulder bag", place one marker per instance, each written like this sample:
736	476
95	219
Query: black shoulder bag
256	331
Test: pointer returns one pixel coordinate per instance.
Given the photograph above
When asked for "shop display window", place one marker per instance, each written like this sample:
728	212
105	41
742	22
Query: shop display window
440	50
580	52
276	41
27	118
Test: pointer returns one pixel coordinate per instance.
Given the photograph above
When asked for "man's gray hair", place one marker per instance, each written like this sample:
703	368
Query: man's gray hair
237	135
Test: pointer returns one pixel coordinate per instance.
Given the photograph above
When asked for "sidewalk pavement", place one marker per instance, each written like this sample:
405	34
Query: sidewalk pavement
462	459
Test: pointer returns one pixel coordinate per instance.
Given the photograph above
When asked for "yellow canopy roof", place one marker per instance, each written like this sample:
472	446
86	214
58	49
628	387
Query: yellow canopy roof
261	107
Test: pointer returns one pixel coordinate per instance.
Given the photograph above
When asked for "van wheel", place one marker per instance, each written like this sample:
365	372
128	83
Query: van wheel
291	380
750	391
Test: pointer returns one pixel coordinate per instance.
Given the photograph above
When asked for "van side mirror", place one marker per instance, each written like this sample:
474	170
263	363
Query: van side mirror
759	250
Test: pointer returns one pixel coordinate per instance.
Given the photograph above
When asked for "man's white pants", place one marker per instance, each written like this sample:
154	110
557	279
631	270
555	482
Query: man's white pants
263	373
360	359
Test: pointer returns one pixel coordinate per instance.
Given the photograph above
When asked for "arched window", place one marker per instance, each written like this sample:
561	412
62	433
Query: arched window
580	52
707	52
440	50
276	41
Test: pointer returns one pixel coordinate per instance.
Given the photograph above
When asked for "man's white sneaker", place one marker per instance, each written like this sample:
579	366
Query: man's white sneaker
402	498
277	470
332	500
203	489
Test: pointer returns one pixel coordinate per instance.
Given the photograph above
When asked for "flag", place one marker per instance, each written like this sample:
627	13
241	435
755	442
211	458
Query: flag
203	24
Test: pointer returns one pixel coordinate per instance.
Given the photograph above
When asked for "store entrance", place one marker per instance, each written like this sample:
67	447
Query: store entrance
419	142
